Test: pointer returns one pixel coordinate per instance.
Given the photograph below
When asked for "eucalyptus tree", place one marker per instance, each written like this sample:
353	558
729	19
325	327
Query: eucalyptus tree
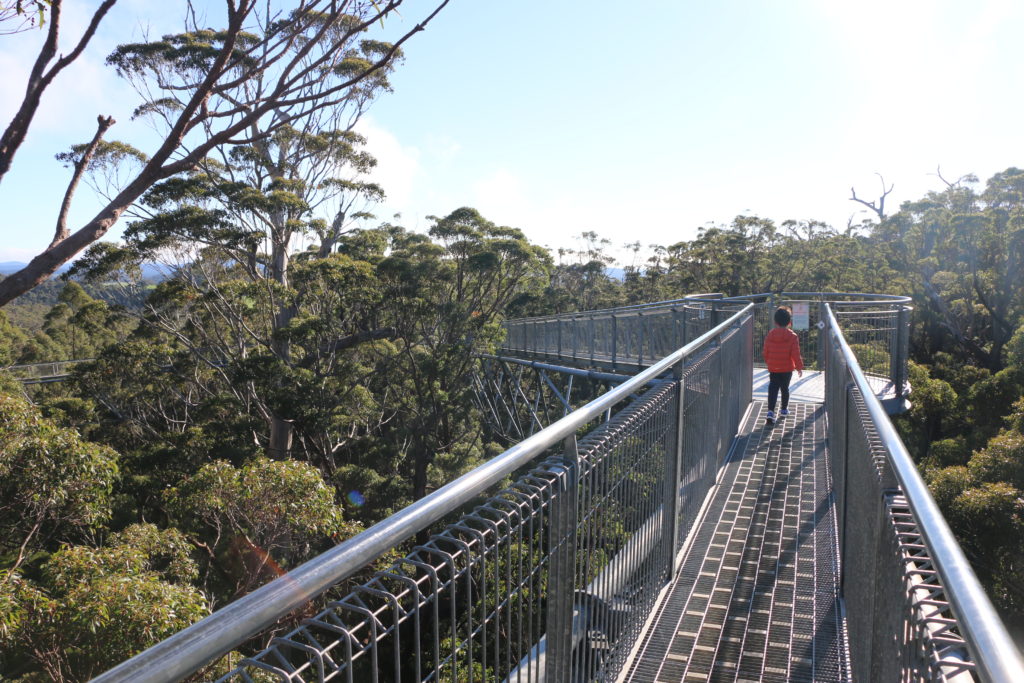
54	486
237	216
297	170
88	608
267	68
450	308
965	250
376	386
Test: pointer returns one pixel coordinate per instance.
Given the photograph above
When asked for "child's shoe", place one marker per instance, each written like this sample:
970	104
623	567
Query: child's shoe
770	417
783	412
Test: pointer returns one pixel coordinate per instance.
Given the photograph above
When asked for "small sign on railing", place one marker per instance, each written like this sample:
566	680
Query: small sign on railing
801	315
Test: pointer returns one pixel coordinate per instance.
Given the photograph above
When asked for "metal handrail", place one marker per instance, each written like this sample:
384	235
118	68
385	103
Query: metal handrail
204	641
27	370
861	297
995	654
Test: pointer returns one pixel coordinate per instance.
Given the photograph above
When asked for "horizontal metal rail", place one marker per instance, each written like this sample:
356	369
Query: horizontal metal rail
993	651
634	336
40	373
198	645
579	372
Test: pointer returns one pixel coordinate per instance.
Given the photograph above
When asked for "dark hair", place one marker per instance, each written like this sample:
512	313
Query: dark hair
783	316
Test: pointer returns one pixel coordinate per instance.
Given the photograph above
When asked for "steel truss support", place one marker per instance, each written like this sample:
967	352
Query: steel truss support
520	397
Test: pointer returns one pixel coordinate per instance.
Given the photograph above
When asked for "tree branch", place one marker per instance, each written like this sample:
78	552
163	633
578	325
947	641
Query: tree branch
348	342
880	208
61	232
38	81
196	111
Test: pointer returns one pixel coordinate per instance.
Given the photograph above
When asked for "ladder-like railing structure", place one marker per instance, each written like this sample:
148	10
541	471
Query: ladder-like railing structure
552	577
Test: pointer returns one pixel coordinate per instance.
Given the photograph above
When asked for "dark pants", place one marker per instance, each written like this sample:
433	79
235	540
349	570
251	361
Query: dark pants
778	381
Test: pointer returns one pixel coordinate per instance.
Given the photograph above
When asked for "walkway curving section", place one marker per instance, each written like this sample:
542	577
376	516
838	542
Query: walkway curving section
757	594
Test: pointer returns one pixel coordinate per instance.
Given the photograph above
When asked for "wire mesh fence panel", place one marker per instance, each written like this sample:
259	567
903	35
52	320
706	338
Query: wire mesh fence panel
901	623
877	328
700	445
475	602
43	372
551	578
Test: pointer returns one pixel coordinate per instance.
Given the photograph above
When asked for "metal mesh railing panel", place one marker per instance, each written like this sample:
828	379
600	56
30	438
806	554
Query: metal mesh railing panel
900	623
44	372
877	329
552	578
472	603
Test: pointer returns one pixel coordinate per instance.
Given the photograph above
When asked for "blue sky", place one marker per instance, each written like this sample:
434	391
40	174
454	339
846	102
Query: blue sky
642	122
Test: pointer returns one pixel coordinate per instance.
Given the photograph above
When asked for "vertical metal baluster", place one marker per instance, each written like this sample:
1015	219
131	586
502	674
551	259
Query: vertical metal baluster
562	561
673	473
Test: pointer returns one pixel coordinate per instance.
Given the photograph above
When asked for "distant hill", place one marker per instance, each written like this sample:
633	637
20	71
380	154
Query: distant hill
151	272
8	267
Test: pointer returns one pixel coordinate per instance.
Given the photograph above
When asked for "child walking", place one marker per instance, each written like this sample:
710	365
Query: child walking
782	356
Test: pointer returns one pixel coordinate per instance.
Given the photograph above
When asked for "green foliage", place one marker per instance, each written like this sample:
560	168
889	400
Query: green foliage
1015	348
1002	461
12	338
260	518
53	484
965	250
77	326
933	411
95	607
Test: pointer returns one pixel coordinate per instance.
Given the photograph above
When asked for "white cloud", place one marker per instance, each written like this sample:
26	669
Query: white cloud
501	197
398	166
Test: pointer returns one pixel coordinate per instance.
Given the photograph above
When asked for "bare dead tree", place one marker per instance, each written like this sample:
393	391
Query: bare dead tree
877	205
952	184
213	87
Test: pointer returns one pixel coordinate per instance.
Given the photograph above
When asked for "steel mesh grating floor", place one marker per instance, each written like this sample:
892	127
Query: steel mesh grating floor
756	597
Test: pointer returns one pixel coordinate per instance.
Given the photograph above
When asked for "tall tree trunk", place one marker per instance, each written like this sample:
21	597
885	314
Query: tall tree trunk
280	444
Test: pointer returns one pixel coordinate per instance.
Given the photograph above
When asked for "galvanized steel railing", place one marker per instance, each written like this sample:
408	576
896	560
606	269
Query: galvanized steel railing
876	325
41	373
550	579
914	608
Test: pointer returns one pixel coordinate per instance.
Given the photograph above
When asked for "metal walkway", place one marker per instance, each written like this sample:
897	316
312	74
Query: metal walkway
639	540
756	598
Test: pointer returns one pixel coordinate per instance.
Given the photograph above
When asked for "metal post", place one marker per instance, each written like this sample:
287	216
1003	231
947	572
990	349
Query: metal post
575	335
673	472
561	571
822	335
558	321
898	358
615	340
640	338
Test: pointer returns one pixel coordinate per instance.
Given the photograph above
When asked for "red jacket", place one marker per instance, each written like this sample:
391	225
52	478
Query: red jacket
782	350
